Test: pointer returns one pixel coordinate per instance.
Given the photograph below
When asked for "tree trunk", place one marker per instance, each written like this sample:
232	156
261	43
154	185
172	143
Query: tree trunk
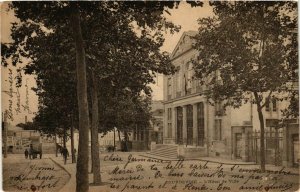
82	175
262	134
114	139
262	140
126	141
92	149
119	135
95	143
55	145
65	137
72	142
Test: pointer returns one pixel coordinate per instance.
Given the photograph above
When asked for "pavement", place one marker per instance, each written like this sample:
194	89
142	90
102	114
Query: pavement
107	165
19	174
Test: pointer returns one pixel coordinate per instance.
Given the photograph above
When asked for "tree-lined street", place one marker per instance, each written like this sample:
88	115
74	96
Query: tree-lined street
94	63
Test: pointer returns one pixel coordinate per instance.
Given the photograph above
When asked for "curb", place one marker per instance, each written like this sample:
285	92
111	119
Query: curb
61	167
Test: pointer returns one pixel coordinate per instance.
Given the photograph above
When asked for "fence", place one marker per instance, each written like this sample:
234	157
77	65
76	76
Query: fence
273	146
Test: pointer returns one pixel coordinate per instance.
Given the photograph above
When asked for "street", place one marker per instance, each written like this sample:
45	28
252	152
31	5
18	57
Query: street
20	174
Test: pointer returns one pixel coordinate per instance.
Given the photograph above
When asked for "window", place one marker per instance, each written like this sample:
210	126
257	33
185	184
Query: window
274	105
218	108
267	105
189	75
218	129
178	81
169	87
169	114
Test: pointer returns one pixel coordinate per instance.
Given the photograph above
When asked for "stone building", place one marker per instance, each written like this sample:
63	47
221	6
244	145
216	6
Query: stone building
198	129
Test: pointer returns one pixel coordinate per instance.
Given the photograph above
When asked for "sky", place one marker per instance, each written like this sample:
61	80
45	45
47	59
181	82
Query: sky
185	16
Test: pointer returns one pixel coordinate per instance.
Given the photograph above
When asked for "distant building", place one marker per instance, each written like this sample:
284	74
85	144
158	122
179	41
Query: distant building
142	137
19	139
157	110
199	129
104	140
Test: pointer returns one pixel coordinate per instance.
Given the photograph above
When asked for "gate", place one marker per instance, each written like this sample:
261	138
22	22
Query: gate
273	146
238	145
295	147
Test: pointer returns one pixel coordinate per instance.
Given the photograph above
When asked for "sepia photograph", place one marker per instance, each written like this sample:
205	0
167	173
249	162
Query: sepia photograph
152	96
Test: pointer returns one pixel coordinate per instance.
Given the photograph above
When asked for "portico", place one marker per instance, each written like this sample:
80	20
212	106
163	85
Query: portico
186	124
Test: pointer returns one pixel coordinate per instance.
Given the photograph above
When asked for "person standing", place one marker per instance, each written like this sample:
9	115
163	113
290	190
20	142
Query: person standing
65	153
30	152
26	153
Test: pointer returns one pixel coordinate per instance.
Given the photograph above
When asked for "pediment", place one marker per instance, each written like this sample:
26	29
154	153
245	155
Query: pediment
184	43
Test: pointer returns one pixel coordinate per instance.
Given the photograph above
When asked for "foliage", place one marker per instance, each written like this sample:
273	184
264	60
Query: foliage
104	36
126	112
248	52
292	111
122	60
27	126
251	46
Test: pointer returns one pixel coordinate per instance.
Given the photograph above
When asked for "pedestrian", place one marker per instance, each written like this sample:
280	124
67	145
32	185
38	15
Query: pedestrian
61	149
75	153
30	153
65	153
26	153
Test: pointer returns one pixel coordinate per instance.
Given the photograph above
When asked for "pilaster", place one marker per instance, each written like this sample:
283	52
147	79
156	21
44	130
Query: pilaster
174	125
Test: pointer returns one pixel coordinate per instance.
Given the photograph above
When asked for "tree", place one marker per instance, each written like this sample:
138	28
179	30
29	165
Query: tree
72	19
27	126
248	53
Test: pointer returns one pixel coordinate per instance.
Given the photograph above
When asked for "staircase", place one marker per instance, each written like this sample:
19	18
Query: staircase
165	151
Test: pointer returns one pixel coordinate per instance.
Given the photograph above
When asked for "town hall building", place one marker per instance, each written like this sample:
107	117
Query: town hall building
194	128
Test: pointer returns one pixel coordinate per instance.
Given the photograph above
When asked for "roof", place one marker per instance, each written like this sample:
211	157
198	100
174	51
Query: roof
186	33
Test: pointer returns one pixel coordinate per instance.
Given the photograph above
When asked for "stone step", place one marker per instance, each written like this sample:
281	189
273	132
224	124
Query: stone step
165	151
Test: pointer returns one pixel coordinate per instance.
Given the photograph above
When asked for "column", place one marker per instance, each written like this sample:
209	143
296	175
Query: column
174	125
195	127
184	125
165	125
207	132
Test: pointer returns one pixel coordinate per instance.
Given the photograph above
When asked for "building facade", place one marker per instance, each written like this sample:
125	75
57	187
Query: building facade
200	129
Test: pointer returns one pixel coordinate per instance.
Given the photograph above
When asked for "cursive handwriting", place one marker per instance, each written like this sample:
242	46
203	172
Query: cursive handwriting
139	173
